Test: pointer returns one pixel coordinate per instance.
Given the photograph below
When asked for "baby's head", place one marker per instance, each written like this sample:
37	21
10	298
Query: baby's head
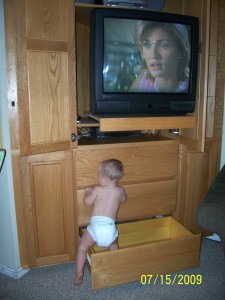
111	168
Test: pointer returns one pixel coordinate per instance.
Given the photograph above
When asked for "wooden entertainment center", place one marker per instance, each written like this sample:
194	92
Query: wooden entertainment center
166	174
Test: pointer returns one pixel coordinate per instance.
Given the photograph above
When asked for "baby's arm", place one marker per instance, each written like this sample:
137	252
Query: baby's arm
89	196
124	195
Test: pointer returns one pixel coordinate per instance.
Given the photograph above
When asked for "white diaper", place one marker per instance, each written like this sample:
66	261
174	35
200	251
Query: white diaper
103	230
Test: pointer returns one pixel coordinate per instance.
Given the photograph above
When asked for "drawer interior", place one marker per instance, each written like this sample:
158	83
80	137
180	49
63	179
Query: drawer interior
158	246
147	231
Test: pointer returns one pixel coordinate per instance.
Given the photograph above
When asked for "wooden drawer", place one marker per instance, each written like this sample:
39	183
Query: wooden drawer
148	246
144	200
143	162
155	246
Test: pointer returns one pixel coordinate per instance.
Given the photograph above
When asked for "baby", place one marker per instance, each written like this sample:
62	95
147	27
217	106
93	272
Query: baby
106	199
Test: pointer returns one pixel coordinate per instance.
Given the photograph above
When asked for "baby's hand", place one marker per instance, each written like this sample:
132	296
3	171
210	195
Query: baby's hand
88	189
89	196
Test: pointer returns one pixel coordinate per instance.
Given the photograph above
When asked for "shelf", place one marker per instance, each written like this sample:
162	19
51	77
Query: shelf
145	123
88	122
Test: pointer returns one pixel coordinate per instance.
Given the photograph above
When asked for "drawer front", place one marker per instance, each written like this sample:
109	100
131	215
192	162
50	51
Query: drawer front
155	258
143	200
143	162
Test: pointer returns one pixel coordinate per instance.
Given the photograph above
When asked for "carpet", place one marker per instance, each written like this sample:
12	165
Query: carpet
56	282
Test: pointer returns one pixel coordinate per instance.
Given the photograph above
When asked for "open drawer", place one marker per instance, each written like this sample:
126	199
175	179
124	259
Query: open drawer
150	246
155	246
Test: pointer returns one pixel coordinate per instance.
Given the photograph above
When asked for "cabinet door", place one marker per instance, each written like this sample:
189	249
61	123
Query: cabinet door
46	75
49	207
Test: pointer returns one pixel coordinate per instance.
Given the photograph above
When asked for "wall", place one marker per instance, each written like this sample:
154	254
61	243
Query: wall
9	250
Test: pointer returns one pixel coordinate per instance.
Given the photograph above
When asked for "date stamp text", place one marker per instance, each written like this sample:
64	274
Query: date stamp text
167	279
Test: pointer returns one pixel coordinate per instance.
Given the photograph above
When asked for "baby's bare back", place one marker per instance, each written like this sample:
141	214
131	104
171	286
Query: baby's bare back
108	201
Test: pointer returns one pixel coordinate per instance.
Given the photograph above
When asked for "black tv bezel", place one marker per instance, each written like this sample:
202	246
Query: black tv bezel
128	104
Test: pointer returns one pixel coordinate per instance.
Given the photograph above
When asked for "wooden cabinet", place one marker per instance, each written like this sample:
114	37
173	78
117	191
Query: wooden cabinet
46	75
47	185
161	245
150	180
150	173
41	39
48	44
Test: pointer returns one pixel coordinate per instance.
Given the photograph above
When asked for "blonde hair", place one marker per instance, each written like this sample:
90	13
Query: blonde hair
180	35
112	168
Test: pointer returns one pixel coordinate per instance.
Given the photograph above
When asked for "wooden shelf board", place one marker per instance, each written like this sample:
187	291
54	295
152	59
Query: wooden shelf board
88	122
146	123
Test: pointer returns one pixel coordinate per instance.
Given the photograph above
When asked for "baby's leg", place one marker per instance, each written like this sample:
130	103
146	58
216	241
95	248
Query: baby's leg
86	241
114	245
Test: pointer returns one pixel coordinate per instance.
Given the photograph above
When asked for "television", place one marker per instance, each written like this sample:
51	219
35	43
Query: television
142	63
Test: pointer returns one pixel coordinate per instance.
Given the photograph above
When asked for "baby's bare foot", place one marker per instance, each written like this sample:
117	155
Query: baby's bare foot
78	279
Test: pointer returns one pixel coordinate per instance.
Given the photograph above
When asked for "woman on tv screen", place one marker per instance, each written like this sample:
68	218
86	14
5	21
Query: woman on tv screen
165	52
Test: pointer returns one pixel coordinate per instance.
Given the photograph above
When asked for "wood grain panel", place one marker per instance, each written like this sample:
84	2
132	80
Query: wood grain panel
143	200
20	218
212	76
200	9
162	257
48	96
48	203
194	8
11	72
49	207
214	28
46	19
145	123
210	117
147	231
220	75
197	185
83	72
175	6
143	162
196	173
45	48
46	45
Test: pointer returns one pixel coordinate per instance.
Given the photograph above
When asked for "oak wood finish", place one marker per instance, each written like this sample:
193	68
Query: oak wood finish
194	129
11	72
159	245
110	124
20	213
144	200
165	249
46	82
200	9
12	98
42	103
194	181
49	207
147	231
220	77
45	29
143	162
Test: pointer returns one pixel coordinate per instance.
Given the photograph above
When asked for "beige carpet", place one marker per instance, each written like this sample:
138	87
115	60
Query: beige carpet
55	282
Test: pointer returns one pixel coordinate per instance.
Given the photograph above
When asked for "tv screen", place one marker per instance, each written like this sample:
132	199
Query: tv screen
143	63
